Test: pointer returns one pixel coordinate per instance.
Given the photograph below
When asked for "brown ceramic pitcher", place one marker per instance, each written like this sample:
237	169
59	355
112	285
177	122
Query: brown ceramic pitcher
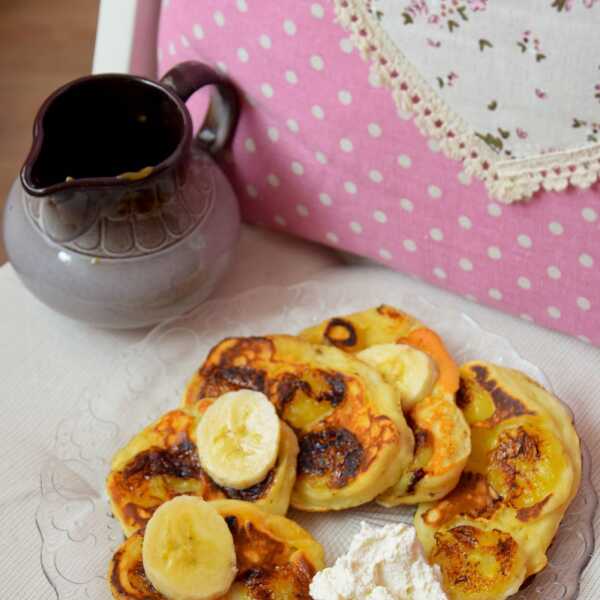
120	217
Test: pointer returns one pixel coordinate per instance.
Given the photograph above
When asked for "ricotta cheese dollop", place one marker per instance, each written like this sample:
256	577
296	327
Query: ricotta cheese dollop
383	563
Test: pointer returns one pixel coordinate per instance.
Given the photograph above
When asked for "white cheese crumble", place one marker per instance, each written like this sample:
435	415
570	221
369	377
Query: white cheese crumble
384	563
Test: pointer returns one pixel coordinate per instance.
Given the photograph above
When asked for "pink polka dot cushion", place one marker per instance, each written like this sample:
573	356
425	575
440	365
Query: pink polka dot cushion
323	153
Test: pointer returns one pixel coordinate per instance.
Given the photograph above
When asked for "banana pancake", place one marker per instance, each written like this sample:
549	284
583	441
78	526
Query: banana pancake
353	438
275	558
493	530
414	359
162	462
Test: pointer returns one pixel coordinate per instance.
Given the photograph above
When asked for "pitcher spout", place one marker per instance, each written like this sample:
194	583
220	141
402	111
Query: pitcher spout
104	131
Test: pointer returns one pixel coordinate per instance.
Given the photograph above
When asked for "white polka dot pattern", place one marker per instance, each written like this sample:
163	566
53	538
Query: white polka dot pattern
322	151
345	97
316	62
434	191
583	303
465	264
524	241
404	161
406	204
350	187
289	27
302	210
375	176
317	11
494	253
556	228
346	45
374	130
554	312
465	222
346	145
325	199
524	283
317	112
291	77
265	41
267	90
436	234
585	260
494	210
219	18
553	272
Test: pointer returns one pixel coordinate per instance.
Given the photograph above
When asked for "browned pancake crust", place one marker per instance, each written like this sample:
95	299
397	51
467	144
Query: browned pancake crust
167	470
473	497
506	406
453	546
344	444
267	567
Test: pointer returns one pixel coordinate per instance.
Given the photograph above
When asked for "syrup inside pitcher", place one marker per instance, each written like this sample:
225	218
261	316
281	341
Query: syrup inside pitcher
104	128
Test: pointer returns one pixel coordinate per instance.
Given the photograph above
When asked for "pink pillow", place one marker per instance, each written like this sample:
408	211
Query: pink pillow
322	152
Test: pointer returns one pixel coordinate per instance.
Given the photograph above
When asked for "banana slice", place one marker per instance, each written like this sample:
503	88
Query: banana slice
238	439
412	372
188	551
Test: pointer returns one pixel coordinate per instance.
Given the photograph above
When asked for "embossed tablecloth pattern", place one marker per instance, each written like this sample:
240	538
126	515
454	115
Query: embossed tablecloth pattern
47	362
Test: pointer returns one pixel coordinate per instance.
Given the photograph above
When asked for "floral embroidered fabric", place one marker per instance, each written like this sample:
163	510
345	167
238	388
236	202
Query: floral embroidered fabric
511	88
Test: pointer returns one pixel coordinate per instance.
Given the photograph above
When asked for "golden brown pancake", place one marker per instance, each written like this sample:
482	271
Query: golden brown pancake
442	440
354	441
162	462
523	472
276	558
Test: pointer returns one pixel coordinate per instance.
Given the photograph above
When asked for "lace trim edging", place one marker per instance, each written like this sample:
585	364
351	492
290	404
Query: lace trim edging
507	181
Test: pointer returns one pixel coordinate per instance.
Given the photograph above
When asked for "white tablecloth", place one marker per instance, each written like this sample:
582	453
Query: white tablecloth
47	360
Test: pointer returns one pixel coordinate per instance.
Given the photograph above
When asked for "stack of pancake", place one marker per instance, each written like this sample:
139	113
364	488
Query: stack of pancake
372	408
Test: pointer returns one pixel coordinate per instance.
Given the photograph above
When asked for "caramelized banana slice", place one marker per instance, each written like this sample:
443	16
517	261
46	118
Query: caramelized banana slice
522	438
490	394
162	462
478	564
275	558
354	440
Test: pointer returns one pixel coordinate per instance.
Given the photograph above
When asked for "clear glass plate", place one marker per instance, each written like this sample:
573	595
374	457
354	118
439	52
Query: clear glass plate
78	532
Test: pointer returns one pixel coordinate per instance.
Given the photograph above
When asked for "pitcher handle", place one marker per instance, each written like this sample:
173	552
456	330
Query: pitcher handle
223	112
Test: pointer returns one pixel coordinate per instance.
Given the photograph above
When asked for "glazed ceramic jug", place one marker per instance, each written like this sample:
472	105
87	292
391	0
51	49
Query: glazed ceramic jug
120	217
